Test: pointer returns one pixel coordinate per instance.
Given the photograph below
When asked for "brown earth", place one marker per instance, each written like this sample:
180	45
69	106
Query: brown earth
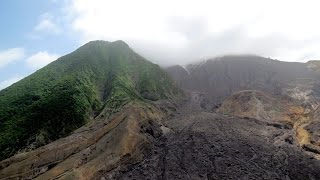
101	145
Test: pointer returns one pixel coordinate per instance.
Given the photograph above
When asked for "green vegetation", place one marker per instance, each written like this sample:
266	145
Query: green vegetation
64	95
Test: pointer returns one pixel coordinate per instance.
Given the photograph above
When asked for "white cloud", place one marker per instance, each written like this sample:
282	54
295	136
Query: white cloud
183	30
9	82
10	55
47	24
41	59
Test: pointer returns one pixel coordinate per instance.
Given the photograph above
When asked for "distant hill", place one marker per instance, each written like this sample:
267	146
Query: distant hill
220	77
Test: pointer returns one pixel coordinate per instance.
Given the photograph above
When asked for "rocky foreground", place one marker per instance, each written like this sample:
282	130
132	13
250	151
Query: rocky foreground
206	145
170	141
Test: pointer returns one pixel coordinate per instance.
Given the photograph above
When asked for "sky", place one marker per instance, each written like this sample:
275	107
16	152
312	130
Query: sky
168	32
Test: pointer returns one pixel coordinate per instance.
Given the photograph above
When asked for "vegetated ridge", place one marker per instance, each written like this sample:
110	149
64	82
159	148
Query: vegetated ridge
97	79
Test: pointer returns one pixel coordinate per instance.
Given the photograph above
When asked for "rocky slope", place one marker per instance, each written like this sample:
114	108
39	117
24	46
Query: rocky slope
262	106
220	77
277	111
254	118
259	88
205	145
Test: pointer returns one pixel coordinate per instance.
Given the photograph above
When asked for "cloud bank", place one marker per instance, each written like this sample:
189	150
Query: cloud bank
180	31
40	59
10	55
47	25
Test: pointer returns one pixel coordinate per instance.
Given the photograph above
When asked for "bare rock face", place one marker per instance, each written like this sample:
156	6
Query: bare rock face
214	146
261	88
314	129
278	111
221	77
262	106
204	145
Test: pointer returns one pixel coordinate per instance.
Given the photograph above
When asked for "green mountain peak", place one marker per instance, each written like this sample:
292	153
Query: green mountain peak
99	77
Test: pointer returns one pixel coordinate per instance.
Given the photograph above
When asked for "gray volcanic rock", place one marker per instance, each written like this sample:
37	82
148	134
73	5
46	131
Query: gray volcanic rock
314	129
213	146
204	145
220	77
